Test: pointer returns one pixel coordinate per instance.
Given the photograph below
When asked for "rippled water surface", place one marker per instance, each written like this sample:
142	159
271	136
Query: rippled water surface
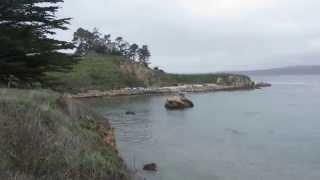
269	134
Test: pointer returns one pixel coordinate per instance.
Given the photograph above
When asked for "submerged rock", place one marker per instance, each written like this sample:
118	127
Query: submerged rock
130	113
235	132
150	167
178	102
262	84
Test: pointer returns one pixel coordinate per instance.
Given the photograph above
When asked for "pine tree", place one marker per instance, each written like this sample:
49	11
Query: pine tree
132	52
144	55
27	49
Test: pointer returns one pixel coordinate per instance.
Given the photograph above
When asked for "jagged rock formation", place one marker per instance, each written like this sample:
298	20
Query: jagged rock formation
178	102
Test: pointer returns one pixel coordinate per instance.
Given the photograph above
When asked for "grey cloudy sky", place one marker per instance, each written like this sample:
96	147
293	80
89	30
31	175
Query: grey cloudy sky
188	36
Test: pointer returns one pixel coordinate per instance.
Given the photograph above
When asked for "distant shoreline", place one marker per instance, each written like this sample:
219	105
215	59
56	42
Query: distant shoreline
289	70
191	88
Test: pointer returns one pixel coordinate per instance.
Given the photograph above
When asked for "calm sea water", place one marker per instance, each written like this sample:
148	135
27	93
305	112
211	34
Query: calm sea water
269	134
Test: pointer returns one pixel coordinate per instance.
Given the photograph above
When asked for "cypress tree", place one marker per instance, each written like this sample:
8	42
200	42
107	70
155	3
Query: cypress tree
27	47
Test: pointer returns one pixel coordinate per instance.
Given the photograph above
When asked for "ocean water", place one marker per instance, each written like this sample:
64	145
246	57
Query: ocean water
268	134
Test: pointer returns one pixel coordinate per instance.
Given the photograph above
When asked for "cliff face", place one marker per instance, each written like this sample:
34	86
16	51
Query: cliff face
146	75
46	136
140	72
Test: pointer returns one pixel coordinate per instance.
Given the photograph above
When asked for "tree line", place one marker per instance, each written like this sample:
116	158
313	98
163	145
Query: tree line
87	41
28	50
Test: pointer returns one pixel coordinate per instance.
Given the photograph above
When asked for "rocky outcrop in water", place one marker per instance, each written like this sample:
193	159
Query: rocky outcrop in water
262	84
150	167
130	113
178	102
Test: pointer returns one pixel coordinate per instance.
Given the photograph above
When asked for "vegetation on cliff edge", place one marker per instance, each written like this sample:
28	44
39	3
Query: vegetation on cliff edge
46	136
105	72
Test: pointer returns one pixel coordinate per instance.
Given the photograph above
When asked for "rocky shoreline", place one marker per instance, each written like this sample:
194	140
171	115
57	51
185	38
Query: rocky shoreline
193	88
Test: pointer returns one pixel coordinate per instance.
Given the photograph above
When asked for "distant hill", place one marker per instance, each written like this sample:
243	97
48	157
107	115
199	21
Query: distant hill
290	70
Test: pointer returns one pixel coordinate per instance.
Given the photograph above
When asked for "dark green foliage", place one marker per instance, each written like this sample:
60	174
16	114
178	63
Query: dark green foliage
87	41
94	41
132	52
27	49
144	55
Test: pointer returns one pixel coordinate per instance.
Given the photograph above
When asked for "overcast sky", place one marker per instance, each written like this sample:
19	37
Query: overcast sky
192	36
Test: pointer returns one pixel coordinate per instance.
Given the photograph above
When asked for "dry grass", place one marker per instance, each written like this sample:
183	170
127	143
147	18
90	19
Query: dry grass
46	136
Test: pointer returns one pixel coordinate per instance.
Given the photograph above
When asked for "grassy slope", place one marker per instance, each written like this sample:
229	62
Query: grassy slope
98	72
46	136
95	72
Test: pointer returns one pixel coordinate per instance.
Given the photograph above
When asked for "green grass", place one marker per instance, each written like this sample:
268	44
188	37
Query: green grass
46	136
95	72
105	72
